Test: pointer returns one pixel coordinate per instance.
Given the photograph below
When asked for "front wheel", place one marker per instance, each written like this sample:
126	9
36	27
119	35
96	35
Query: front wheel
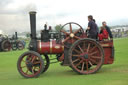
14	46
20	45
86	56
46	62
30	64
6	45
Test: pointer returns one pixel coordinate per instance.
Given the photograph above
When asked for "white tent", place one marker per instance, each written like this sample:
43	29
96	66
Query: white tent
1	32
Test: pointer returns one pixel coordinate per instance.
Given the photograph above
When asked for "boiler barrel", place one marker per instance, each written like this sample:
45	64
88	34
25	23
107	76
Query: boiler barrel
50	47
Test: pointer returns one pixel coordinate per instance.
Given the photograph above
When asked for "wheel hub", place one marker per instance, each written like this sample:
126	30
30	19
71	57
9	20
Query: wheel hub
86	56
29	64
71	35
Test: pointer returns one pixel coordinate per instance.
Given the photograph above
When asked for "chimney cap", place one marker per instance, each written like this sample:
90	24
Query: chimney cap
32	12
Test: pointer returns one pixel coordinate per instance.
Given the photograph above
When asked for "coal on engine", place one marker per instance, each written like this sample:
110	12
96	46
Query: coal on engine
73	49
45	35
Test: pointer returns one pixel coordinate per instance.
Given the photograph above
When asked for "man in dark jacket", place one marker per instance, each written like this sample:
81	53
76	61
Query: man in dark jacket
92	28
108	29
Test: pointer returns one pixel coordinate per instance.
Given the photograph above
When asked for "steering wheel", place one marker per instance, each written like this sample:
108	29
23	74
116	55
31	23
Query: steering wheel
71	36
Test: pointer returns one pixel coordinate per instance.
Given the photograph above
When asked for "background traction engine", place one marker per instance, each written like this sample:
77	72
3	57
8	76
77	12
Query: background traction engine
8	44
72	48
5	44
16	43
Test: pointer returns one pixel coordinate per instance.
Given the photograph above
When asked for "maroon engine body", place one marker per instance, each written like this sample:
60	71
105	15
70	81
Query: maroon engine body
108	51
50	47
53	47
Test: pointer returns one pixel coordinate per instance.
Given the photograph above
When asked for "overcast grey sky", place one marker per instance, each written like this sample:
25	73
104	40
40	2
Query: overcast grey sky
14	13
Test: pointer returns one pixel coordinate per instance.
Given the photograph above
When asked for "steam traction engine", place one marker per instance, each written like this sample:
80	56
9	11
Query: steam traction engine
16	43
6	44
73	49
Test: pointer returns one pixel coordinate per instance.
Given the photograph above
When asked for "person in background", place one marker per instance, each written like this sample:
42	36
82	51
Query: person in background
92	28
103	33
108	29
50	28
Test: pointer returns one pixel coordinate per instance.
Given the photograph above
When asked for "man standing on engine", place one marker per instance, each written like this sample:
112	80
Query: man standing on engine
92	28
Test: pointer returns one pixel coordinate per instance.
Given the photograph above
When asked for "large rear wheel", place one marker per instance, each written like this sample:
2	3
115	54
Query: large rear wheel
86	56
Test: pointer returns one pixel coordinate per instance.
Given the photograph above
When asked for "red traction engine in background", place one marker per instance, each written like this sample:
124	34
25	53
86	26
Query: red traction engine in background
72	48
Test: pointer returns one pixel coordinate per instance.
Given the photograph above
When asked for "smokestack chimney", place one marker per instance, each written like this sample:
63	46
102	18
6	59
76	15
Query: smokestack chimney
16	35
33	42
33	24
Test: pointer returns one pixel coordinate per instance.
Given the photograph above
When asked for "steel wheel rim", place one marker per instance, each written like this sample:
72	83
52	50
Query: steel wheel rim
46	62
27	72
81	62
6	46
71	37
20	46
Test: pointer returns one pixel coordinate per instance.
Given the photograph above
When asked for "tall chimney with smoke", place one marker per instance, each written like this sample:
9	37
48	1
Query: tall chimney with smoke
33	43
33	24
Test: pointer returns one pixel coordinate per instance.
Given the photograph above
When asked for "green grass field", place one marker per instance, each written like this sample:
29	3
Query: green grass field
115	74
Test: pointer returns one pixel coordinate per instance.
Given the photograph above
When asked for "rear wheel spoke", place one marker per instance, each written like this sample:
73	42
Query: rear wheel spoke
84	45
93	61
77	51
88	47
82	67
92	49
75	60
80	49
94	53
90	63
79	63
87	65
